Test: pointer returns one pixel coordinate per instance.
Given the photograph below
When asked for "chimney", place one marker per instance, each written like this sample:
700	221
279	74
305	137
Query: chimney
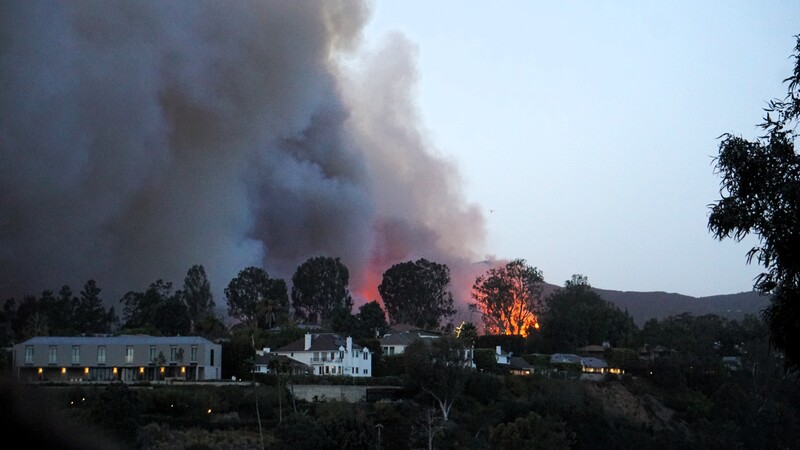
349	344
307	344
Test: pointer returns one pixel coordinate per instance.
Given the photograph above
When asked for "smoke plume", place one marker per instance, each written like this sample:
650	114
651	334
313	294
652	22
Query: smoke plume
140	138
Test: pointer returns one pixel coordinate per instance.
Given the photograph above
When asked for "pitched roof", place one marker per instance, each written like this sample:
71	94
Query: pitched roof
593	362
565	358
406	337
320	342
266	358
518	362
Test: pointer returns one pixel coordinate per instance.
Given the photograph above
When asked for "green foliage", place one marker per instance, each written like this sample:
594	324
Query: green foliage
532	432
320	289
485	360
760	194
576	316
372	320
513	343
303	432
468	333
253	297
117	409
417	293
197	296
346	424
509	298
438	368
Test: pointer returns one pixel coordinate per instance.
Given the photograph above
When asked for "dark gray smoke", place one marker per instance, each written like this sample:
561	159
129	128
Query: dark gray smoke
140	138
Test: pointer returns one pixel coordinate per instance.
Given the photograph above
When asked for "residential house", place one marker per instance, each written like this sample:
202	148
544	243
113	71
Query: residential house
395	343
126	358
329	354
591	367
266	361
518	366
502	358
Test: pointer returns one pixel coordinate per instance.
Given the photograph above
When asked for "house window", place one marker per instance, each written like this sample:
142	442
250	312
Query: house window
315	357
211	358
193	353
53	358
356	369
173	354
366	371
29	354
153	353
76	354
366	356
327	369
101	355
129	355
320	370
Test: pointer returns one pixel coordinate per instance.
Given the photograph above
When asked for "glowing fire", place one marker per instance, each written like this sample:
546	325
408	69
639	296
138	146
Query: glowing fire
516	319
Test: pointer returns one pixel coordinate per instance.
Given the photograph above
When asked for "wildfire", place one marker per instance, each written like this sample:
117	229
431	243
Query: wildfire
516	319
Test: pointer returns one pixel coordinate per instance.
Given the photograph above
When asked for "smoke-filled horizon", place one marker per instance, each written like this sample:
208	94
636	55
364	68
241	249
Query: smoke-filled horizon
139	139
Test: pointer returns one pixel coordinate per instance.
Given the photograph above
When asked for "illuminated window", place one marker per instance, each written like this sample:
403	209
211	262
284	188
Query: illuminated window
101	355
29	355
76	354
53	358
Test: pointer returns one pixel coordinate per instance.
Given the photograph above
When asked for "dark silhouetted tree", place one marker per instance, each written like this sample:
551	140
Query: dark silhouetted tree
760	194
417	293
319	288
253	297
197	296
372	319
90	315
577	316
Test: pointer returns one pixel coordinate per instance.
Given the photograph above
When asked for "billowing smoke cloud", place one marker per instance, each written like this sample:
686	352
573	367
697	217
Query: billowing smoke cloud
138	139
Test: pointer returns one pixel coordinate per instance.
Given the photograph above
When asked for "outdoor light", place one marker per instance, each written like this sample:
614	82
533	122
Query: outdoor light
63	370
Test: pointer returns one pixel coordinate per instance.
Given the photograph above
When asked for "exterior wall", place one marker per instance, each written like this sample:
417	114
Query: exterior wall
354	363
118	358
344	361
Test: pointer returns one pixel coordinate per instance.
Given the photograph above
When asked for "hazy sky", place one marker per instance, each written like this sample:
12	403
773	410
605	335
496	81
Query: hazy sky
585	131
140	138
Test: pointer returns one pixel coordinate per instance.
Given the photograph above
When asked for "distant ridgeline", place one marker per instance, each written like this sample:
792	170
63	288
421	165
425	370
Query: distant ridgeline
657	305
643	306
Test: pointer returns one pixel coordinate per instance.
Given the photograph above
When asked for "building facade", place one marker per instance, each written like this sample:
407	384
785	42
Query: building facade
127	358
329	354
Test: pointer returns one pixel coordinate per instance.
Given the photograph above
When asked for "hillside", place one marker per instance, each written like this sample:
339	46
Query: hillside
648	305
657	305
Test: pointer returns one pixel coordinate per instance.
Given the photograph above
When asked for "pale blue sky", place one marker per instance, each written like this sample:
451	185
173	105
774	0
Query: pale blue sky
586	130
